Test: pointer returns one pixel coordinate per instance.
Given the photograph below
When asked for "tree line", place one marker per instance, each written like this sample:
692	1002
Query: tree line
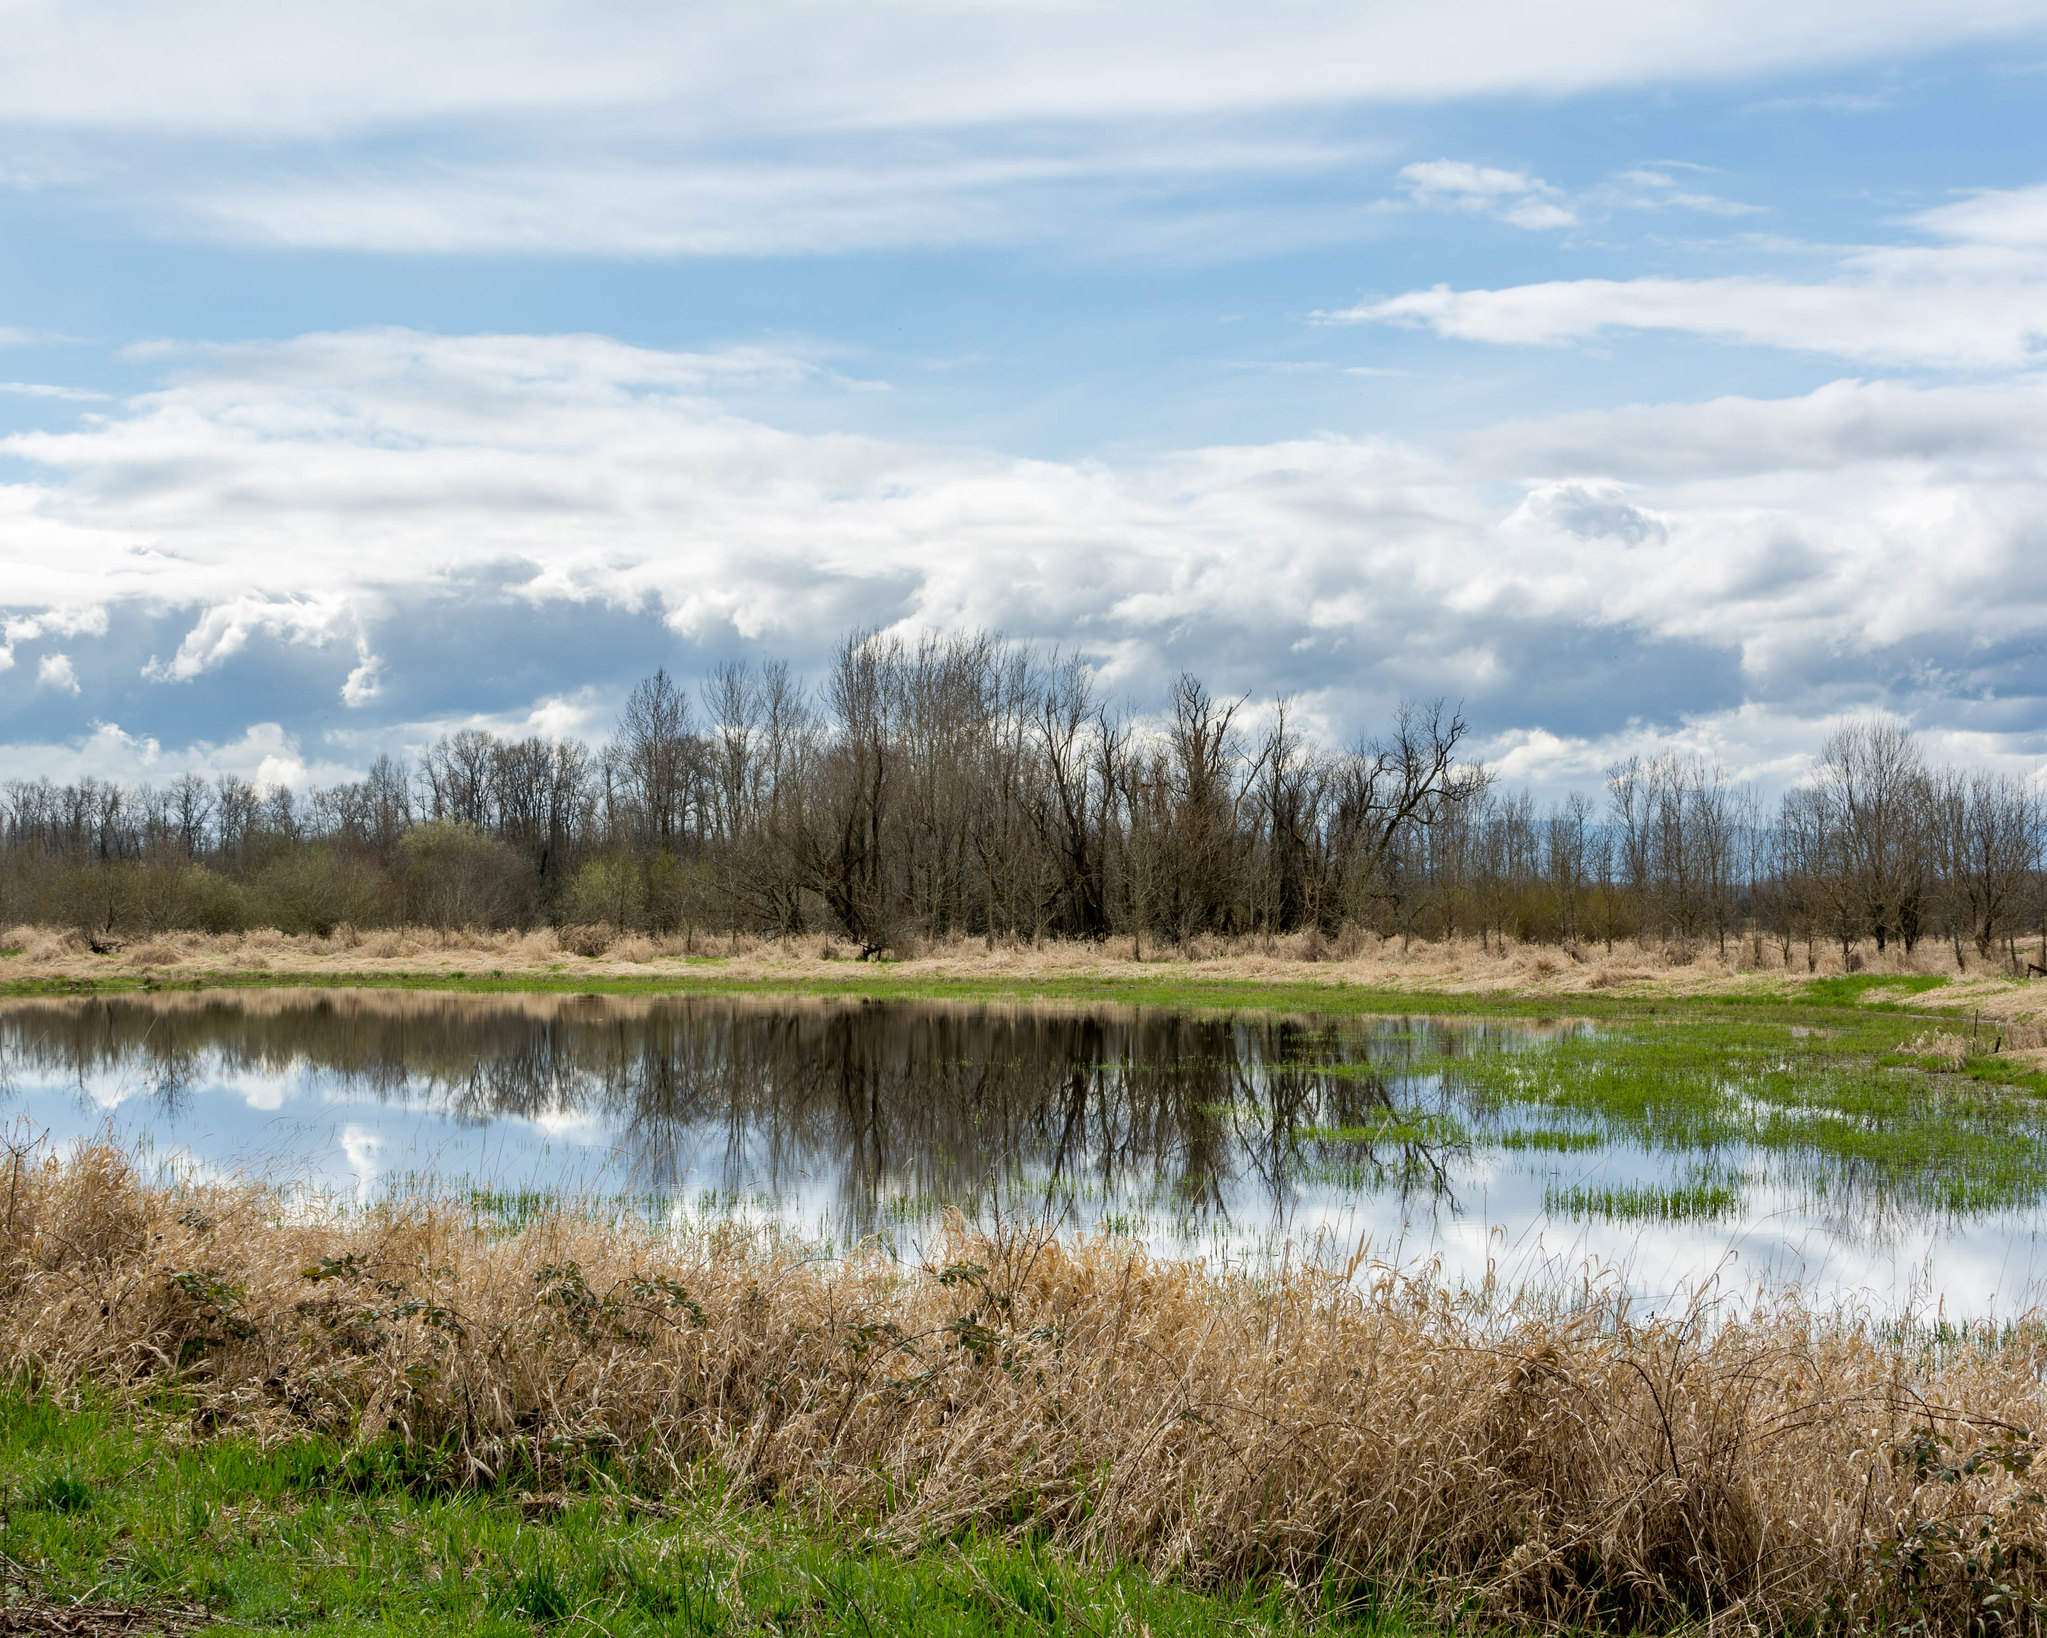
965	786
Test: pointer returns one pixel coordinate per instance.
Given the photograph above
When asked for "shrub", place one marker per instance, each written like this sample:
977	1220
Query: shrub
316	889
455	876
590	939
606	892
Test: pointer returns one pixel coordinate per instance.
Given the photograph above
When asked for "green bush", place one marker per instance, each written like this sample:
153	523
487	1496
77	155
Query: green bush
455	876
606	892
167	895
679	893
315	889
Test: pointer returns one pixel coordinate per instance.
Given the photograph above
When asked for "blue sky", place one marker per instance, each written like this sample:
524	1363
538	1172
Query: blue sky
1636	374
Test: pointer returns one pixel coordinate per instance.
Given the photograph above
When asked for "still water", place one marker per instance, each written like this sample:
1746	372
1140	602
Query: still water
1235	1139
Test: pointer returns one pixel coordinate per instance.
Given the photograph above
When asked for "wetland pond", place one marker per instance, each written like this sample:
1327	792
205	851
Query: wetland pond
1675	1155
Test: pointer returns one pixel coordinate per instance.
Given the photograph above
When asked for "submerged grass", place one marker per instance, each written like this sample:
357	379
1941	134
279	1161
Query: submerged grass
1696	1201
1822	1107
387	1383
119	1504
1552	1140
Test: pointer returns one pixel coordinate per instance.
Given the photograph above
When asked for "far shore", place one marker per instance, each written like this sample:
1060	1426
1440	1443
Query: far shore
36	959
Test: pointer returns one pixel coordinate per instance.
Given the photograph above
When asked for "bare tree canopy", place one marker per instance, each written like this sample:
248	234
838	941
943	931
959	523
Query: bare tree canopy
965	786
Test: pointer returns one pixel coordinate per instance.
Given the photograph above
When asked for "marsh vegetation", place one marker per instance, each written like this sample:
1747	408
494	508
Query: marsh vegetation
1340	1432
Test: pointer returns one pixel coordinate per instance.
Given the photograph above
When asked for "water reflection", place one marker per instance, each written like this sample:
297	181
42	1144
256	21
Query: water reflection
844	1120
894	1112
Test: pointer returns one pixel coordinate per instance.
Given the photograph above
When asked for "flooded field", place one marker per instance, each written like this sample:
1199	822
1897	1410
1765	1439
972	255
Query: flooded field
1677	1154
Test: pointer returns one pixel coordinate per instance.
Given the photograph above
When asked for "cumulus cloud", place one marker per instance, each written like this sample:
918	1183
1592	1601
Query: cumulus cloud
1589	510
82	619
1980	432
264	753
1511	196
224	629
1798	556
55	672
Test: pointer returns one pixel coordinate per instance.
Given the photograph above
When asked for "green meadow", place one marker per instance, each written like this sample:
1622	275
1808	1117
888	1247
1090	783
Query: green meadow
128	1511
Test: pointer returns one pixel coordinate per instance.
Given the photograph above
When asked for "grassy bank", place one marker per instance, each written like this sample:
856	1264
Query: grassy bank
1744	973
1008	1410
107	1513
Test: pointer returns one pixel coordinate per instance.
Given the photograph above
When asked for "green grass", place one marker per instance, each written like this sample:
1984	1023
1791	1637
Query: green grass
1851	991
1162	985
1552	1140
1828	1110
306	1536
1696	1201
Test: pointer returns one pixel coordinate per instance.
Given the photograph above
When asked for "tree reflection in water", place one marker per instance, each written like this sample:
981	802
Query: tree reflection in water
893	1111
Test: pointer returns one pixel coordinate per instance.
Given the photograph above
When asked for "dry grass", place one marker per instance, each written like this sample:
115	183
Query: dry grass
1547	1469
1459	966
95	1620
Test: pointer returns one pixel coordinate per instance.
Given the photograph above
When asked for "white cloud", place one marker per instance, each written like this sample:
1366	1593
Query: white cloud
2015	217
1590	509
741	126
264	753
55	672
1754	744
579	713
865	194
304	490
1663	193
39	389
84	619
1764	748
1511	196
224	630
1980	433
1830	102
238	66
1977	301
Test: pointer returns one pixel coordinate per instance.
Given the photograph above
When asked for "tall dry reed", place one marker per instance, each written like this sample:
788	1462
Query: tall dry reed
1550	1469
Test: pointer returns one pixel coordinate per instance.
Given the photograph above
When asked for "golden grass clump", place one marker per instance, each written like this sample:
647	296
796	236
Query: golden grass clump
1546	1469
1943	1046
589	941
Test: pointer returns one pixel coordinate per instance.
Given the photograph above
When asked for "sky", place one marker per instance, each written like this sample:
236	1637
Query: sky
1638	375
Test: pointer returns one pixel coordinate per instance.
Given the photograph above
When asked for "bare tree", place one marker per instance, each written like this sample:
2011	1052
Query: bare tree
1986	834
1073	812
1872	783
1409	780
654	754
